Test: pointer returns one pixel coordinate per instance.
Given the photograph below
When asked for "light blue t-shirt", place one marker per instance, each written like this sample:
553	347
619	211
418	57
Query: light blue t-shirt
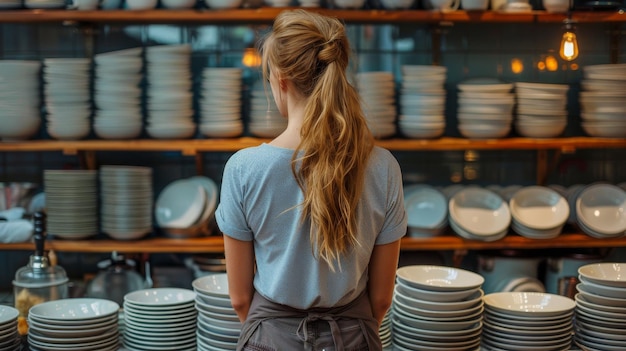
258	201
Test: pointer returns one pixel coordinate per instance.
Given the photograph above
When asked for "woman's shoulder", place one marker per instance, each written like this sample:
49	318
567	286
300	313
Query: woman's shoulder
254	154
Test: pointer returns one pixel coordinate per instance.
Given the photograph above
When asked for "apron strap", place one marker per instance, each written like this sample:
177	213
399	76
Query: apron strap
303	333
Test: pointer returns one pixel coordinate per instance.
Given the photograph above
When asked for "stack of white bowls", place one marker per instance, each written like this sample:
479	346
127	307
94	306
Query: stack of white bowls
161	319
436	308
600	322
126	201
541	109
71	203
522	321
19	97
538	212
384	331
76	324
485	108
427	210
9	340
601	211
117	94
67	97
479	214
377	91
220	103
169	96
571	195
422	101
602	100
265	119
218	325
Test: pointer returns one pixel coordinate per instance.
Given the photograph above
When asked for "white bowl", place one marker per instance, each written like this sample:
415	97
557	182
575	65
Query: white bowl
180	204
74	309
602	208
8	314
171	130
602	129
539	207
117	131
529	303
141	4
439	278
479	211
592	296
426	206
471	301
214	285
20	128
178	4
606	273
160	297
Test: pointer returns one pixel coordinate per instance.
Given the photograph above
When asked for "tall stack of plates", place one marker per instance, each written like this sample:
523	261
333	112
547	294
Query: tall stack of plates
169	92
78	324
541	109
9	340
600	322
601	211
522	321
160	319
422	101
126	201
265	119
67	97
479	214
117	94
71	203
436	308
485	108
427	210
220	104
377	90
218	325
538	212
602	100
19	98
384	331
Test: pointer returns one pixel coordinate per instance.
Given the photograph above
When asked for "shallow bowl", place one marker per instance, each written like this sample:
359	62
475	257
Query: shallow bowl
605	273
539	207
75	309
602	208
439	278
529	303
479	211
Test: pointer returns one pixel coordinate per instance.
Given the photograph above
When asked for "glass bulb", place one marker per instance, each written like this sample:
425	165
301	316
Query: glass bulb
569	46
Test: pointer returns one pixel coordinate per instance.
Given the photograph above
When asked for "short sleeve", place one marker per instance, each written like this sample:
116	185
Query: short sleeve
395	225
230	213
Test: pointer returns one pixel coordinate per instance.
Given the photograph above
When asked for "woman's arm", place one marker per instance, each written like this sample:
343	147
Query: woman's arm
240	269
382	274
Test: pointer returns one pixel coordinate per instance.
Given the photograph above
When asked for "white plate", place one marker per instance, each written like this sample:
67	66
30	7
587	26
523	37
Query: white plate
439	278
529	303
160	297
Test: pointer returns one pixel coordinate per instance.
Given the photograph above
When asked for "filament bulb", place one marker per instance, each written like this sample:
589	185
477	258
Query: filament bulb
569	46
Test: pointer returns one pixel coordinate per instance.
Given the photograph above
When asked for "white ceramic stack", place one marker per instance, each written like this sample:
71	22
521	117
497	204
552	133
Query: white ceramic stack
541	109
422	101
309	3
571	195
427	210
45	4
126	197
600	322
377	91
9	340
384	331
117	94
76	324
522	321
436	308
19	97
71	203
169	96
538	212
602	98
485	108
161	319
67	97
218	324
265	119
220	102
601	211
479	214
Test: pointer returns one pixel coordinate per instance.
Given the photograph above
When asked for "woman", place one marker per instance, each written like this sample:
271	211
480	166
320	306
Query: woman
312	220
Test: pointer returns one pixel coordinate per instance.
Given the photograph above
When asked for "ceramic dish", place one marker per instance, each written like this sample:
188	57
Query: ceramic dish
439	278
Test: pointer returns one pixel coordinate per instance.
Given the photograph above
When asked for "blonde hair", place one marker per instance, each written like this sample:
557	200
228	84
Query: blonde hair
312	52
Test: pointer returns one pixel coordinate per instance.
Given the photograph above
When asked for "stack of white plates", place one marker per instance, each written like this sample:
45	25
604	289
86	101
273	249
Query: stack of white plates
9	340
126	201
44	4
169	96
19	98
161	319
218	325
384	331
77	324
601	211
436	308
427	210
71	203
67	97
485	108
117	94
479	214
377	90
600	322
602	100
538	212
265	119
422	101
541	109
220	104
522	321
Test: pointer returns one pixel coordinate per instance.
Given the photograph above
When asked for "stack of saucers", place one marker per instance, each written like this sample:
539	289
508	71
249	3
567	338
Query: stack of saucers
78	324
600	322
67	97
538	212
169	97
71	203
485	108
377	90
117	94
427	210
220	104
160	319
9	340
601	211
436	308
265	119
522	321
19	98
602	100
541	109
479	214
218	325
126	201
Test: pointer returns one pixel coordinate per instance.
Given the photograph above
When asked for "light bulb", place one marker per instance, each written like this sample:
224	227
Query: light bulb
569	46
251	58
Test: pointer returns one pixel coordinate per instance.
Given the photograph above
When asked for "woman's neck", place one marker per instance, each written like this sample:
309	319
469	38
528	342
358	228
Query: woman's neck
290	137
